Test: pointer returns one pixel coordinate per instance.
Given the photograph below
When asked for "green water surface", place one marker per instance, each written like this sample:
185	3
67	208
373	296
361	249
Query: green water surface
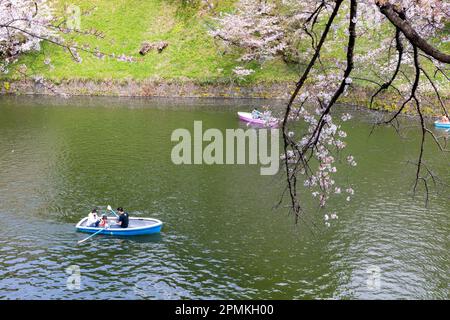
222	237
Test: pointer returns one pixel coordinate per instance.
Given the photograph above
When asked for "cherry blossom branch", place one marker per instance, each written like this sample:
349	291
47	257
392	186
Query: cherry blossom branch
70	47
291	178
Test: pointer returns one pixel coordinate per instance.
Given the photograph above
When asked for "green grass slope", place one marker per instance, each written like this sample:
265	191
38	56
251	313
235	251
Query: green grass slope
192	54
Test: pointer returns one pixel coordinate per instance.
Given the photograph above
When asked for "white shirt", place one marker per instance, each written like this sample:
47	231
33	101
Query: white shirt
92	218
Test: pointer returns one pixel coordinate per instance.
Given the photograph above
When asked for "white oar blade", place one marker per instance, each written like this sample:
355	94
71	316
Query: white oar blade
81	241
109	207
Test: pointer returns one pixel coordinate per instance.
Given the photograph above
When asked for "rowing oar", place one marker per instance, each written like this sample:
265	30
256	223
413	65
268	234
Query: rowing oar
81	241
110	209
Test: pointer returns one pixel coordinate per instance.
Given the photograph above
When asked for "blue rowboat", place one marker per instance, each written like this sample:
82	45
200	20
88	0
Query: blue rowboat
136	226
445	125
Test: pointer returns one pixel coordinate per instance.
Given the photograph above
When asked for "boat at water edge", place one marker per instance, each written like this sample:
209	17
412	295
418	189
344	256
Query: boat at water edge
247	117
445	125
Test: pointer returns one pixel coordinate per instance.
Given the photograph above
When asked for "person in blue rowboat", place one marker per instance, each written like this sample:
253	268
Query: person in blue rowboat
104	222
444	119
93	219
122	221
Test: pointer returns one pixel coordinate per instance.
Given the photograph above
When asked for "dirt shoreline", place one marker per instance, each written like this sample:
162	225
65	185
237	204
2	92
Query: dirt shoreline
151	88
190	89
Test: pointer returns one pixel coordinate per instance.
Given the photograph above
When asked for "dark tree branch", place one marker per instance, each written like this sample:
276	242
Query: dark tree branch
435	91
414	38
413	89
388	83
422	144
348	70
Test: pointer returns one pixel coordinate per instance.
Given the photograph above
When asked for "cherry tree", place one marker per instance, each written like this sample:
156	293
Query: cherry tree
405	59
25	24
255	27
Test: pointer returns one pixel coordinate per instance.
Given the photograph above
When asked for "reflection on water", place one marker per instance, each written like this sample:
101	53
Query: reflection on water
221	237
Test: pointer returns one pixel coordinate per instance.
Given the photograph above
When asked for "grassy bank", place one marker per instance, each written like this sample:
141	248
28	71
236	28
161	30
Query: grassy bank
191	54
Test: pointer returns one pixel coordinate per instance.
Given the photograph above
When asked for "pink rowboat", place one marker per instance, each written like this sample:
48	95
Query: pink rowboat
247	117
